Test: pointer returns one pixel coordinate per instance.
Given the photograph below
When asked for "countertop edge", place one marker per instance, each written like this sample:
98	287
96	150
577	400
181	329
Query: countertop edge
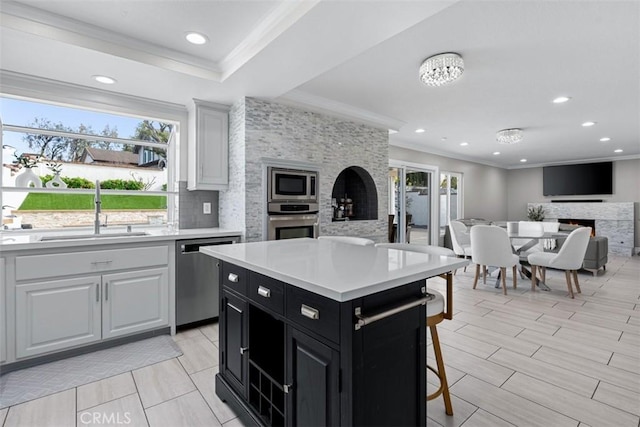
16	245
334	295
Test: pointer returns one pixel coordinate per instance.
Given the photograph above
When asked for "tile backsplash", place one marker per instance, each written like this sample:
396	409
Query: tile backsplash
190	205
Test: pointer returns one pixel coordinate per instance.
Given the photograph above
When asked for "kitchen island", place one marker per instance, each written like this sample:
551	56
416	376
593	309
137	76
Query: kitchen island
319	333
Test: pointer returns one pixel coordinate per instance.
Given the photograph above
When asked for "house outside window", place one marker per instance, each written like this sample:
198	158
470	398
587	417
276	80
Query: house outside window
66	150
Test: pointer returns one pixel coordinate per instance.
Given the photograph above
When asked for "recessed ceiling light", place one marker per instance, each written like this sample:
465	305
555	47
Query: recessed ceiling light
561	99
523	160
196	38
619	150
496	153
605	139
104	79
464	144
587	124
419	130
444	138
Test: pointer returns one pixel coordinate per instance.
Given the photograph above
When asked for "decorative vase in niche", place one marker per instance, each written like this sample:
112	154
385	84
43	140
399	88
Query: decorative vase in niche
56	182
28	178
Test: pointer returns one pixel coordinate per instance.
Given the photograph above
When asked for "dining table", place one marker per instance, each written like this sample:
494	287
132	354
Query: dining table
533	240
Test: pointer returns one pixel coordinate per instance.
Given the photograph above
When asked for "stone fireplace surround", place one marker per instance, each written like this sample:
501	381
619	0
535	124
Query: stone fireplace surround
612	220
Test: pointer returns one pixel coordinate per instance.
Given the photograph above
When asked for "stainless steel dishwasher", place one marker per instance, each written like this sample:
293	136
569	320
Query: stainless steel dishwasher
197	280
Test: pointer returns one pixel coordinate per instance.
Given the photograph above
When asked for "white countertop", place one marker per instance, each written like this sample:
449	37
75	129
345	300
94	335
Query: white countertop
20	241
339	271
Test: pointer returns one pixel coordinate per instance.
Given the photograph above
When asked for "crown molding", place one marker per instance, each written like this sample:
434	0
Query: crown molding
35	21
429	150
30	87
338	109
272	26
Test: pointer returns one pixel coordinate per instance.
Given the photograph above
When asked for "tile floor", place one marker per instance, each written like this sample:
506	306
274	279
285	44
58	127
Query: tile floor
527	359
541	358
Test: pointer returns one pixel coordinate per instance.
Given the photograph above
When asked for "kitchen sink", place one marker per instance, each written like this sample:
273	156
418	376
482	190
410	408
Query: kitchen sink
54	237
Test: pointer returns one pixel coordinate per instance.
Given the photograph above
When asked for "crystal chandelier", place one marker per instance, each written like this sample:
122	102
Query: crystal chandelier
442	69
509	136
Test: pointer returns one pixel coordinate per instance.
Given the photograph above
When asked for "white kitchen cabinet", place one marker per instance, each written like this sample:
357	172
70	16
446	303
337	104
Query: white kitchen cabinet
3	320
105	294
208	153
56	314
134	301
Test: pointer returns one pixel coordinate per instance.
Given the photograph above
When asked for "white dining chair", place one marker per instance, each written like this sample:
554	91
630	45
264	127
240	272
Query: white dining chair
490	246
460	239
569	258
361	241
437	311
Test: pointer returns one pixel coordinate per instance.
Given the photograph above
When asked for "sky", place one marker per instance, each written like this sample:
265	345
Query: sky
22	113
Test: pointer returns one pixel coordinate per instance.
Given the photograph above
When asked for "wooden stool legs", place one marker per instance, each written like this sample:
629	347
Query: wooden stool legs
440	373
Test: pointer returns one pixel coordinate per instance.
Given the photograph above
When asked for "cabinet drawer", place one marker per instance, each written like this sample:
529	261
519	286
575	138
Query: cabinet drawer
314	312
267	292
235	278
64	264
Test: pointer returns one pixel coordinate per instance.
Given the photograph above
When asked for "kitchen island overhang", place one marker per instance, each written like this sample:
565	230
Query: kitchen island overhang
291	350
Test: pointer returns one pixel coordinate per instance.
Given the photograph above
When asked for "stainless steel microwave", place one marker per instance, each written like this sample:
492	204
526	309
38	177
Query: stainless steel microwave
292	185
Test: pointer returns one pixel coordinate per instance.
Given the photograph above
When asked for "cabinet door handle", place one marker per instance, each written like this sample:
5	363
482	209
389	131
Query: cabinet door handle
243	350
309	312
233	277
264	292
97	292
106	291
287	388
234	307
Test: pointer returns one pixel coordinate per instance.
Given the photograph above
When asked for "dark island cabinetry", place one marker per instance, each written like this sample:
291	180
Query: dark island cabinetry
290	357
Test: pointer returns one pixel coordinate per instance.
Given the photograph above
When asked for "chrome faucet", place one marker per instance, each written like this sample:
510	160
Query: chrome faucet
98	202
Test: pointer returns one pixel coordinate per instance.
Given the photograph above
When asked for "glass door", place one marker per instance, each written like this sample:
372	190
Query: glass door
412	203
450	198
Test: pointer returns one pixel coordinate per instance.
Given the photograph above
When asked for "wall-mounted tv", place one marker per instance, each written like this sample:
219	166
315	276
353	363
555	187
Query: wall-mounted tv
577	180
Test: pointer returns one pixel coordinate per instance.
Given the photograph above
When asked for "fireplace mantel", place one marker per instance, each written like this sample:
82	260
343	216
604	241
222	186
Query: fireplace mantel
613	220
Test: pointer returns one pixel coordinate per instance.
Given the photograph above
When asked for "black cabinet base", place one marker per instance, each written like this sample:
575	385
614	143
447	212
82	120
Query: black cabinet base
231	398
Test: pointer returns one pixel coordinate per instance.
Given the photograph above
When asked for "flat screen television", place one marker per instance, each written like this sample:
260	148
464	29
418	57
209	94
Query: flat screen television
577	180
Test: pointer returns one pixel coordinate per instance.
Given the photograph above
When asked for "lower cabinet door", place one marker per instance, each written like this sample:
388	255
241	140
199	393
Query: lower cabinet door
312	384
57	314
233	338
134	301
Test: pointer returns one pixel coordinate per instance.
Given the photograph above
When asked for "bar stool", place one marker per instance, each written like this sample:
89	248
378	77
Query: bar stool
435	314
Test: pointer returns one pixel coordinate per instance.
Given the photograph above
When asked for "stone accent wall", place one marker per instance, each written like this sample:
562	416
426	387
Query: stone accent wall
613	220
261	130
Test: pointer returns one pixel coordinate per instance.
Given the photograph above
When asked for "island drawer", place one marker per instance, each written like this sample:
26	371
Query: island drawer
314	312
235	278
69	263
267	292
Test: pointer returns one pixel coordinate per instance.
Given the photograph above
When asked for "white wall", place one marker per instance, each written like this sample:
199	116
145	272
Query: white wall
484	187
525	186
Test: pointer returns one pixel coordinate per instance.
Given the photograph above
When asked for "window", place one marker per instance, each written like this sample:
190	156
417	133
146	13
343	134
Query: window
53	156
450	198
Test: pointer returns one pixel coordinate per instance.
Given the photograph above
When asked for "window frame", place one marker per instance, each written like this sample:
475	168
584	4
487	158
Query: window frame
33	89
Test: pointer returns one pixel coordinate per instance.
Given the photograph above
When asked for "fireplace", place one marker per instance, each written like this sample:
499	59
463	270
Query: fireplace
580	222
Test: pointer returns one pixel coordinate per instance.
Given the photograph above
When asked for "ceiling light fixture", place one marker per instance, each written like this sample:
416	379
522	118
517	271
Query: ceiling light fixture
509	136
496	153
523	160
104	79
605	139
619	150
441	69
561	100
587	124
419	130
464	144
196	38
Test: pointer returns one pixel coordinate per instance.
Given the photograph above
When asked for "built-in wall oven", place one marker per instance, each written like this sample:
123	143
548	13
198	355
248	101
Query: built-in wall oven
292	203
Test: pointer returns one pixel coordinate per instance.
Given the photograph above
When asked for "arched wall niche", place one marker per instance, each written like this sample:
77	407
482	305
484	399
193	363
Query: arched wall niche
355	183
